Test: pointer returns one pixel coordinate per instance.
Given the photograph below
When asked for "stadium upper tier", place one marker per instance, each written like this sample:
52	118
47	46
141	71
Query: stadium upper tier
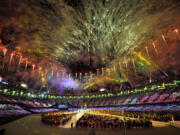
145	99
85	95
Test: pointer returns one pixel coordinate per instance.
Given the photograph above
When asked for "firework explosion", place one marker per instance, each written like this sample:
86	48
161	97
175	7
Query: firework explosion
47	39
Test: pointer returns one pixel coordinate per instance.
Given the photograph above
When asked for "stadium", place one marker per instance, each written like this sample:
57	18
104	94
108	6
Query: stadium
89	67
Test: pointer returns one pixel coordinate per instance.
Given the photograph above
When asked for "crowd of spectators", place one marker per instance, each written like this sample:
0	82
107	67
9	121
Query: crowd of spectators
158	96
43	110
170	107
168	95
152	101
9	110
173	95
34	103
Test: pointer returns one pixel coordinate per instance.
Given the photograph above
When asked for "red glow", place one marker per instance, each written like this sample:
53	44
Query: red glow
4	50
12	54
33	66
176	30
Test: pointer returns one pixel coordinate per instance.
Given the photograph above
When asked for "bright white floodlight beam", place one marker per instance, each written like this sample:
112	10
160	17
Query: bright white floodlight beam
102	89
24	85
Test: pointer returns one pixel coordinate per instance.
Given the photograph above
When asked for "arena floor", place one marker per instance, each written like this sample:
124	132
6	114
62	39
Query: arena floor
31	125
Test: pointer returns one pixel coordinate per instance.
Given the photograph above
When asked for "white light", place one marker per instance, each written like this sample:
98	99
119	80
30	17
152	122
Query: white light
23	85
102	89
6	83
1	78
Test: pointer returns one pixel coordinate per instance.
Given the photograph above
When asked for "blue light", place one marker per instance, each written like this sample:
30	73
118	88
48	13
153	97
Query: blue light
6	83
68	83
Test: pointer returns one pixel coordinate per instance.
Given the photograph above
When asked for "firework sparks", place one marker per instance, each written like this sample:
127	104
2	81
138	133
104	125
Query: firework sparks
106	32
147	51
164	39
